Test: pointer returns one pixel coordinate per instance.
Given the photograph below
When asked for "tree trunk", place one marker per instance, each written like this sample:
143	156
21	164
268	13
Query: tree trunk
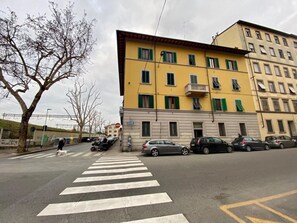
23	133
80	133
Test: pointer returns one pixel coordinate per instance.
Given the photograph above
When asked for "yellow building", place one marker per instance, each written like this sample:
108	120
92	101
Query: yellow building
177	89
272	68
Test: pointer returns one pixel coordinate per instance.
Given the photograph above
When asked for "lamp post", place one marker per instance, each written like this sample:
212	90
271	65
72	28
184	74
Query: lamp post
43	130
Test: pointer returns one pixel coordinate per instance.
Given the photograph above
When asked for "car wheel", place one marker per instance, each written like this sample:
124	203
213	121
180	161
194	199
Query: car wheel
248	148
185	151
155	152
229	149
281	146
266	147
205	150
93	149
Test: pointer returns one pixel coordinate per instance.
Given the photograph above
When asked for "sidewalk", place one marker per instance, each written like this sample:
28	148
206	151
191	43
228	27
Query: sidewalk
13	152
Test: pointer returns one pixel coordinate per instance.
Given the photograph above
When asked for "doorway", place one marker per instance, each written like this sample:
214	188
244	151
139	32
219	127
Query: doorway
198	129
292	128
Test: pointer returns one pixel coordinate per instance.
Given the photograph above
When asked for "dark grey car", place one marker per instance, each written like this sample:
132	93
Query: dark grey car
156	147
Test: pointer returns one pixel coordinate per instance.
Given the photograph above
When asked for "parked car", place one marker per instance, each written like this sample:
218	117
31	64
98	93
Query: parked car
157	147
248	144
210	144
281	141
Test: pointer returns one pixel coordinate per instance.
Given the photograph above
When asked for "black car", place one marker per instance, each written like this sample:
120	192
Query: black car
210	144
248	144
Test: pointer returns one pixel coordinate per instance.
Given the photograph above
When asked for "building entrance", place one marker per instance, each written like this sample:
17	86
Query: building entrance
198	129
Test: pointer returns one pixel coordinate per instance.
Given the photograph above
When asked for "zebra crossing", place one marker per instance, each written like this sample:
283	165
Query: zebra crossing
114	168
53	154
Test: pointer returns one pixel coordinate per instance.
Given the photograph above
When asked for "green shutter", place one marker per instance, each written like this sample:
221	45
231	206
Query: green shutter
214	104
140	104
176	102
174	57
164	56
227	65
224	104
239	105
166	102
139	53
217	65
235	65
151	101
151	54
207	61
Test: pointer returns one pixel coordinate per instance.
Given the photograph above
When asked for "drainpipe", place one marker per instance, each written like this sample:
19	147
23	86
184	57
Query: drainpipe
156	89
210	98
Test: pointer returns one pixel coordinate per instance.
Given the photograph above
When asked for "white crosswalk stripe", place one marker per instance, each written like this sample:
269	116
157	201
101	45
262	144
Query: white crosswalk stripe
77	154
176	218
104	204
112	177
33	156
44	156
115	170
116	162
115	166
88	154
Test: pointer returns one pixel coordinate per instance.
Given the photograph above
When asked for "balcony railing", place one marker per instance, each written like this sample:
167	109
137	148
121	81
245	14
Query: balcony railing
196	89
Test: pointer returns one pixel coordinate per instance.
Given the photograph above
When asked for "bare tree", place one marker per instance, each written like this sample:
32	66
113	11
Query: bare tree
84	103
39	53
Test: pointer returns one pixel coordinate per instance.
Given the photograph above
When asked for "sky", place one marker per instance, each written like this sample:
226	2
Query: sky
194	20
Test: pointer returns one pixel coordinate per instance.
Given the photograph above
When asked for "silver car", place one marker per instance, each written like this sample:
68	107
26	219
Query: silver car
156	147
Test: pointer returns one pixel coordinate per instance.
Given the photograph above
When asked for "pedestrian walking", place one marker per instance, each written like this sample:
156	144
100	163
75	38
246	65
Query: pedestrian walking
61	144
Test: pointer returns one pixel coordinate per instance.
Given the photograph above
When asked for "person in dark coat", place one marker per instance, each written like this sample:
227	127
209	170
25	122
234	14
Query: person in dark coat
61	144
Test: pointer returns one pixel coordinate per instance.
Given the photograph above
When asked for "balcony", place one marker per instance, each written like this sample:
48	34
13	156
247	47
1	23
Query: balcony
196	89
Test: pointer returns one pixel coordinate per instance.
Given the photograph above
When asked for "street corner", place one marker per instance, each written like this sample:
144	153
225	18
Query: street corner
279	208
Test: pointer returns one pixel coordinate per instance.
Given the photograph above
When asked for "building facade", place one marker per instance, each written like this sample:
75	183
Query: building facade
112	130
272	68
178	90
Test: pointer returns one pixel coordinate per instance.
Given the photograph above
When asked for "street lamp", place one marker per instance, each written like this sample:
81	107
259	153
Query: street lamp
43	130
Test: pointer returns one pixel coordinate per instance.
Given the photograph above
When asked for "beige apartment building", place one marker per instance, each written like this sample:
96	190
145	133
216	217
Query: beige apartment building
112	130
272	65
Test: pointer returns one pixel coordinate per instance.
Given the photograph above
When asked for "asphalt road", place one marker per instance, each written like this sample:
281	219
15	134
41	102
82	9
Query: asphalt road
237	187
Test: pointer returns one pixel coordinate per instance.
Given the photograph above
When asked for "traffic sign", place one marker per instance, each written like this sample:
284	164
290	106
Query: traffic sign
117	125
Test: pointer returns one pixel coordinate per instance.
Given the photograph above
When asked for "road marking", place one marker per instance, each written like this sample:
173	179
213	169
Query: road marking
104	204
257	220
77	154
110	187
19	157
51	156
177	218
88	154
115	170
68	154
43	156
115	166
117	162
116	159
98	154
33	156
113	177
225	208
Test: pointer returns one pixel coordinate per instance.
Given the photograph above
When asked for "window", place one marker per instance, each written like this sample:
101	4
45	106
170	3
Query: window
276	106
295	105
265	106
222	130
271	86
291	89
267	69
173	128
269	126
286	106
239	106
145	101
171	102
295	44
282	89
252	47
170	79
289	55
145	54
242	129
294	72
256	67
261	86
280	125
272	52
145	77
192	60
235	85
231	65
146	129
267	37
262	49
215	83
193	79
169	57
285	42
286	72
219	104
276	39
258	35
281	54
196	104
248	32
277	71
212	62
